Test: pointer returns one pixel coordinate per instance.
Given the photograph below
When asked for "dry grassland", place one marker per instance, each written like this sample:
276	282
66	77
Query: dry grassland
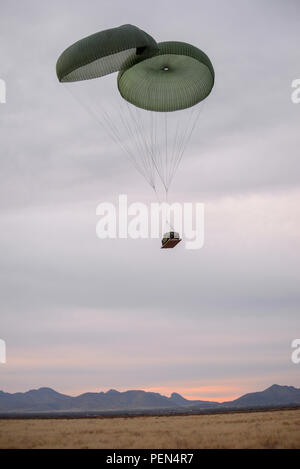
277	429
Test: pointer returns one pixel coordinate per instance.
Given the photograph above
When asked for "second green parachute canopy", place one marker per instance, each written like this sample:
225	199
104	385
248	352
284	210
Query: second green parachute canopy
179	77
162	86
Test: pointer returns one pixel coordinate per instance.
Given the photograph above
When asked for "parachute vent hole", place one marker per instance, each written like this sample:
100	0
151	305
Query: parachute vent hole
140	50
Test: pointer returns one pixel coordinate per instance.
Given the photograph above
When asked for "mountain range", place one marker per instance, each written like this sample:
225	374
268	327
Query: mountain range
48	400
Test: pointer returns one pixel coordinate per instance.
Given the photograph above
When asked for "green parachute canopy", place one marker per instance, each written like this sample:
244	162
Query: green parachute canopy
154	80
179	77
105	52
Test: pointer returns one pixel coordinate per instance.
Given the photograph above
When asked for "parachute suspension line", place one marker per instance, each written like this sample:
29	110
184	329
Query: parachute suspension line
177	143
166	223
157	157
159	151
163	154
142	139
129	132
184	140
180	143
173	154
113	130
150	142
166	152
153	138
136	136
140	146
152	154
110	128
155	154
194	123
166	157
155	150
92	114
163	159
146	137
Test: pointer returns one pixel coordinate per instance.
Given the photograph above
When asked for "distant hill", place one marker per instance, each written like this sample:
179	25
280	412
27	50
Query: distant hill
274	395
48	400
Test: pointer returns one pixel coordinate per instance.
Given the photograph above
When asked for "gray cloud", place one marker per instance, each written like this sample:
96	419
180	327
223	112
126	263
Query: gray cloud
57	164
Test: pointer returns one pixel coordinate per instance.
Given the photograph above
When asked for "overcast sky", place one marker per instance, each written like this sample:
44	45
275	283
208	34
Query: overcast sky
79	313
